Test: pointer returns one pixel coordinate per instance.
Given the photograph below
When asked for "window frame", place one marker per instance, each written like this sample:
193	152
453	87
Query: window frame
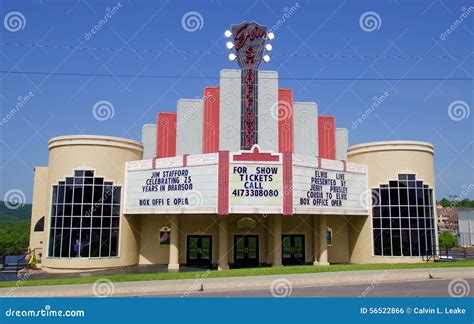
406	222
55	249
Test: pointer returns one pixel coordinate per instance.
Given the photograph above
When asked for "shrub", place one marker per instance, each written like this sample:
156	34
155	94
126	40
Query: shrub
447	239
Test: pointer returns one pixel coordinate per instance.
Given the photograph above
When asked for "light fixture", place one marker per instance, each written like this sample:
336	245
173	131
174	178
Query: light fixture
271	36
232	57
268	47
227	34
229	45
266	58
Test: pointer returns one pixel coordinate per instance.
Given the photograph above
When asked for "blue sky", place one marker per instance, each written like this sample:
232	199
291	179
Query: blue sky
405	43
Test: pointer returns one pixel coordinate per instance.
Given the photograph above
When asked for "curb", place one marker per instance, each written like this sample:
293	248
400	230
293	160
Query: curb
185	287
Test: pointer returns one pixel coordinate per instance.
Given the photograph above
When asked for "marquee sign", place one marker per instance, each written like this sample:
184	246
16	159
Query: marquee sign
172	185
248	182
255	181
255	186
249	41
321	188
326	186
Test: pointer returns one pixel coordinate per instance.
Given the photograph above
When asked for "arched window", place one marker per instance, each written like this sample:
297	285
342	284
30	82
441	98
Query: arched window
403	218
85	217
39	226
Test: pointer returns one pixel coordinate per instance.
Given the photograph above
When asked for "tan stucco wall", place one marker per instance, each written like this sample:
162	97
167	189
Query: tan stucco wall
150	250
385	160
339	251
106	156
38	209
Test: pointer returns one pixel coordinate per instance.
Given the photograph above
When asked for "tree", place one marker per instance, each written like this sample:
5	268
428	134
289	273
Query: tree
14	229
447	240
444	202
465	203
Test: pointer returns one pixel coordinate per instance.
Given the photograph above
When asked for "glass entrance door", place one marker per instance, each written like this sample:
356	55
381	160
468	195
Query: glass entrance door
199	250
293	249
246	250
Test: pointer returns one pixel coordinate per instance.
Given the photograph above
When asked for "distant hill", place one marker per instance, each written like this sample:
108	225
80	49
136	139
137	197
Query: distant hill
22	213
14	229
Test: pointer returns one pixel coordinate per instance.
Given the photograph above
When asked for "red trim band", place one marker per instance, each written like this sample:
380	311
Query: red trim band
223	185
255	155
210	138
287	184
326	136
166	135
185	160
285	121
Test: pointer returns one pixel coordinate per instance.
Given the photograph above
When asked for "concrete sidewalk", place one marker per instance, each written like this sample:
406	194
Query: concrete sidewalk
103	287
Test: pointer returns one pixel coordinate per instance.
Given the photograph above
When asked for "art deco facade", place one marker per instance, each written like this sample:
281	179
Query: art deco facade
245	176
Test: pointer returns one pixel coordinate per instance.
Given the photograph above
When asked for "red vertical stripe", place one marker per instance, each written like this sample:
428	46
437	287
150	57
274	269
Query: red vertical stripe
185	160
327	137
210	138
223	178
287	183
166	135
285	120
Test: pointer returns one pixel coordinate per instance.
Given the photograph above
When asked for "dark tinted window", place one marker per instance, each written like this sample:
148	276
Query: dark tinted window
81	217
39	226
403	224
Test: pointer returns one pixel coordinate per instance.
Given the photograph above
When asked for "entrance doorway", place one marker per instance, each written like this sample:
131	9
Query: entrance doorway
246	250
293	249
199	251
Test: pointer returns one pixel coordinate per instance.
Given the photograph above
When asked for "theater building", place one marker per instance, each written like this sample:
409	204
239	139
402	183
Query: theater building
246	176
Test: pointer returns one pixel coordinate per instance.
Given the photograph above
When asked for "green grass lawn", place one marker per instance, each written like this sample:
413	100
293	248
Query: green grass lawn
236	273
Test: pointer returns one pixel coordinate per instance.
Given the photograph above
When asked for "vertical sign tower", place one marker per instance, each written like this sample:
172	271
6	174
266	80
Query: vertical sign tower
249	43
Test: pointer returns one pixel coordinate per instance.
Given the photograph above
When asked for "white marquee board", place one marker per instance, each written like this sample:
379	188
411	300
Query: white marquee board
255	185
190	189
316	189
172	186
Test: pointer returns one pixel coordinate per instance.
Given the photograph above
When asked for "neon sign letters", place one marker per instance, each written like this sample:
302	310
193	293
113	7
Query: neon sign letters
249	45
